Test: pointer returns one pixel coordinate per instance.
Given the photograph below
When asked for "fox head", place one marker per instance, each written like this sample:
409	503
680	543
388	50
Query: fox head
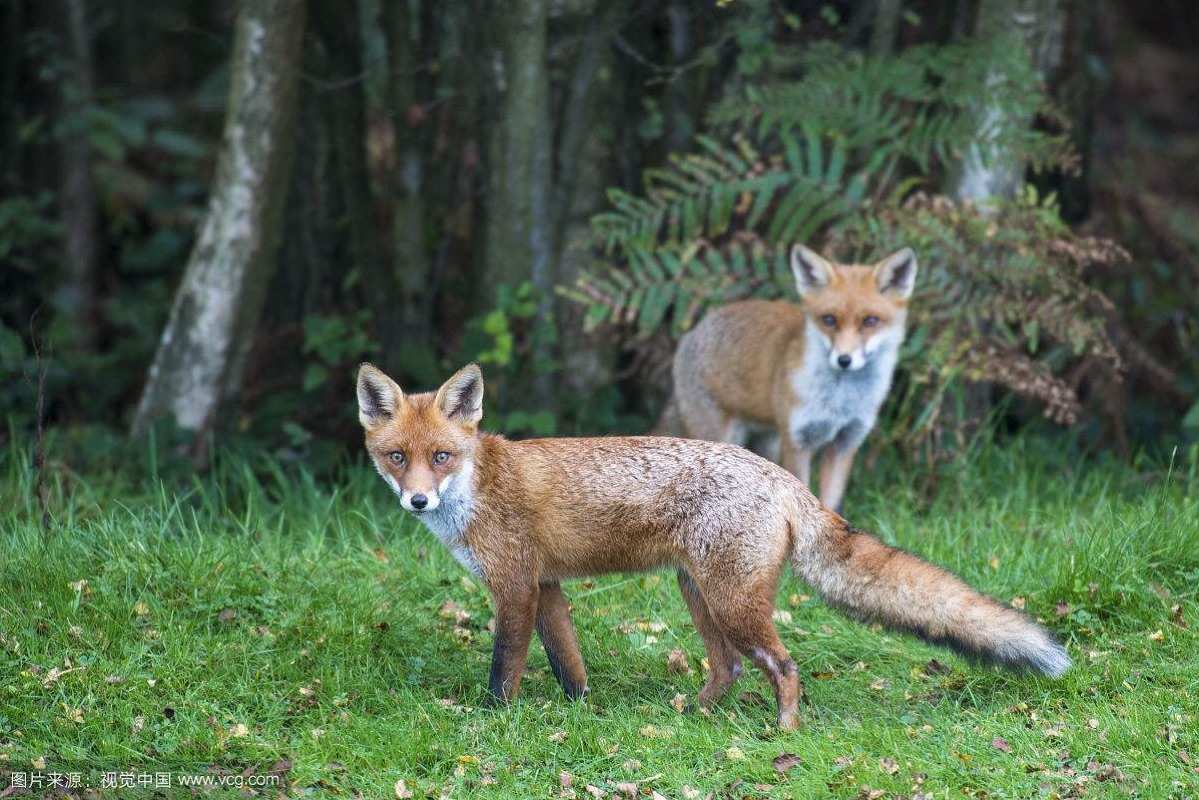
422	444
854	312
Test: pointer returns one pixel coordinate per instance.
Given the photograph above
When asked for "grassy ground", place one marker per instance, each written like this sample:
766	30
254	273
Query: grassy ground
256	623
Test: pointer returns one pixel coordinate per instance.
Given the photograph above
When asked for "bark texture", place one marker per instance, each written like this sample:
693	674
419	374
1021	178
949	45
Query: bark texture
411	256
199	361
886	25
77	198
1036	25
518	221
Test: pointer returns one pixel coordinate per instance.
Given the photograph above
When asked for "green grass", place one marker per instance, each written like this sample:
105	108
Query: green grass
310	614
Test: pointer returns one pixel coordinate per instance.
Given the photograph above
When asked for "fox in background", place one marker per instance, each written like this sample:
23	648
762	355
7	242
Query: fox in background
812	377
525	515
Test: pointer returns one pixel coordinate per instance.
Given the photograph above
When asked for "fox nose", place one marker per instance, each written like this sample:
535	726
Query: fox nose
419	501
843	361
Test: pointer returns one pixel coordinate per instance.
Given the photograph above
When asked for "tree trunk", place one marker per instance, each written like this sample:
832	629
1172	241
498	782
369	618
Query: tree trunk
518	233
584	166
77	197
1036	25
197	368
886	25
519	185
987	171
411	256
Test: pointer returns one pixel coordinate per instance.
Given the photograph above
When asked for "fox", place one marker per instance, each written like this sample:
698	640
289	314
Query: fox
810	377
523	516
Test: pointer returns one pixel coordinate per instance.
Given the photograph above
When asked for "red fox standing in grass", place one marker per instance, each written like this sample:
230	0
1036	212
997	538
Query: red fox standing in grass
813	375
523	516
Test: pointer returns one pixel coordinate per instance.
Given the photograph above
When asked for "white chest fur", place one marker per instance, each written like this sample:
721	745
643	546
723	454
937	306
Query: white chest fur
449	521
840	405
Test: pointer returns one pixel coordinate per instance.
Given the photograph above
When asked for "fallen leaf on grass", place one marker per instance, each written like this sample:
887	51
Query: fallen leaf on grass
679	702
402	790
888	765
227	615
557	737
999	743
39	762
676	662
628	789
139	722
141	609
654	732
453	610
565	779
734	754
1018	603
632	765
596	792
1157	636
784	762
690	793
935	667
239	731
1105	772
1062	609
781	616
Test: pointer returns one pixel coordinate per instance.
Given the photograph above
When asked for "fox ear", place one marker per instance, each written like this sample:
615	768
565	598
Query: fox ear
811	271
461	397
378	396
896	274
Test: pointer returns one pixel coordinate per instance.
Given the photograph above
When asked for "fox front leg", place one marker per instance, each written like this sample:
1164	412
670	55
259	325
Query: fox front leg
557	634
835	464
796	459
515	611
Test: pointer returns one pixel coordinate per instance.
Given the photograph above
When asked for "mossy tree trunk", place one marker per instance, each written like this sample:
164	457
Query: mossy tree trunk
886	25
1036	25
197	368
77	196
519	239
410	86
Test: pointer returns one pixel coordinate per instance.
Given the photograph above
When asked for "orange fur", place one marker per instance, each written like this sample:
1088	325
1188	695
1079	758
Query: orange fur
527	515
760	366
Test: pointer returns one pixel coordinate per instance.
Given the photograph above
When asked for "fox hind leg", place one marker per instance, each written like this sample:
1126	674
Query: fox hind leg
724	661
557	634
743	613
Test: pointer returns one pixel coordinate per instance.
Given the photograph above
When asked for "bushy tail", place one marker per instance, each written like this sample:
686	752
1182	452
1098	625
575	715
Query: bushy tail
860	575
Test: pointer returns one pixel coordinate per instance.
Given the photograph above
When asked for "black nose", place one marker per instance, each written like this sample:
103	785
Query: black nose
844	361
419	501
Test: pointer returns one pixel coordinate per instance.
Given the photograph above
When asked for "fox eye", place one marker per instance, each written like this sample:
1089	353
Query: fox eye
396	457
440	457
829	320
870	321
